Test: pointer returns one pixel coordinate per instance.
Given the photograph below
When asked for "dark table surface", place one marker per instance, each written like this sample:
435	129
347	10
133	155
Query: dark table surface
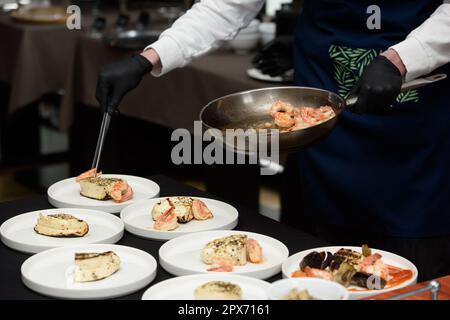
11	286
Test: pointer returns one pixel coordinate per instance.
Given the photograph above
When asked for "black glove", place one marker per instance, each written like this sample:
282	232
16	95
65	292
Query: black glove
117	79
378	87
276	57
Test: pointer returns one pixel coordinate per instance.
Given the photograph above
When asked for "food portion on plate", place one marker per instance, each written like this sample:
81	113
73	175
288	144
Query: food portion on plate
223	252
94	186
288	118
221	255
169	212
364	270
61	225
95	266
208	286
218	290
296	294
89	271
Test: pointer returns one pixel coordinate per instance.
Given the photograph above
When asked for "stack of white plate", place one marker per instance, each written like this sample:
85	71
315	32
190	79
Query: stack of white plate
267	31
247	39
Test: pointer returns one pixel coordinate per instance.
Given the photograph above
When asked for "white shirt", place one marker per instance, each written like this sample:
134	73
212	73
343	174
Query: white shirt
210	22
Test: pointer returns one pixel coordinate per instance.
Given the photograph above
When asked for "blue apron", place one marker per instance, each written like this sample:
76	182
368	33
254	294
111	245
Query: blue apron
387	174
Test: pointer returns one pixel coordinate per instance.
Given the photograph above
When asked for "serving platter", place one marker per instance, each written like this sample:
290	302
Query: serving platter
66	194
51	273
138	219
182	255
18	232
182	288
292	264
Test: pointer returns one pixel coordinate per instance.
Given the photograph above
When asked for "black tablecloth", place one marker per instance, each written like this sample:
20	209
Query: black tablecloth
11	286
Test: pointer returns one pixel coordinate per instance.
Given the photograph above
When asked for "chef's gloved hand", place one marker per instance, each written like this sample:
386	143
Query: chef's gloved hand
276	57
117	79
378	86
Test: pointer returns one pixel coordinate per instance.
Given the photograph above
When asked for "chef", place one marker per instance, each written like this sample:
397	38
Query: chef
383	175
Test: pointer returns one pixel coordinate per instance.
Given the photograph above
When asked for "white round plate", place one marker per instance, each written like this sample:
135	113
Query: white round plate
182	288
258	75
292	264
51	273
66	194
319	289
181	256
18	232
138	219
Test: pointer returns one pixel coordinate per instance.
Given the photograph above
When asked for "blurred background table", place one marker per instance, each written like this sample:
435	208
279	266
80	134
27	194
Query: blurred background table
35	60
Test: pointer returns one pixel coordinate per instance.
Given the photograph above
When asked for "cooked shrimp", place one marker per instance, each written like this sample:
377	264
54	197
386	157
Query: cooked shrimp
281	106
119	189
315	116
222	265
167	221
200	210
299	123
92	173
374	265
284	119
306	113
283	114
254	251
127	195
317	273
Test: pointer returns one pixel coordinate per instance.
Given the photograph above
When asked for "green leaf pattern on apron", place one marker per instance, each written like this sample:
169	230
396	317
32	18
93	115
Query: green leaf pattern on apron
349	64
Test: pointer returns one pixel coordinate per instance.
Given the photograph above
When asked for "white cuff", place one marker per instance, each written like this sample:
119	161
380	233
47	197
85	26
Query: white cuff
169	53
414	57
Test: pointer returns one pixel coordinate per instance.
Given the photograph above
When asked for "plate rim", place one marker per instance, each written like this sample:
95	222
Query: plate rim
255	74
259	274
174	234
110	207
64	293
273	285
359	294
19	246
208	275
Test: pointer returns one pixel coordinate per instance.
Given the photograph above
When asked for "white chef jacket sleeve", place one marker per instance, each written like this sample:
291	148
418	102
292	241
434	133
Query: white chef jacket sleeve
204	27
428	46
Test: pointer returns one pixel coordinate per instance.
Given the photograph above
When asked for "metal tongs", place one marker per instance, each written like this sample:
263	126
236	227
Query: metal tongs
101	139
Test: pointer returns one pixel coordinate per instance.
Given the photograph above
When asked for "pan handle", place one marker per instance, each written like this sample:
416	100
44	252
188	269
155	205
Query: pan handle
414	84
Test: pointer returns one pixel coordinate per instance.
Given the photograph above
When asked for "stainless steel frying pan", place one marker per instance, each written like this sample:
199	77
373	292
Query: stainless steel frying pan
245	109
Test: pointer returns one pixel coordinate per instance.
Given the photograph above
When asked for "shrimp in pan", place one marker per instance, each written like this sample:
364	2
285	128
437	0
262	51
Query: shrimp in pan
283	114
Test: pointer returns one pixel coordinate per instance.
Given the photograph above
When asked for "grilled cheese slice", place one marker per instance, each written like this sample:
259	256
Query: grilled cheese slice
95	266
98	188
232	247
218	290
61	225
